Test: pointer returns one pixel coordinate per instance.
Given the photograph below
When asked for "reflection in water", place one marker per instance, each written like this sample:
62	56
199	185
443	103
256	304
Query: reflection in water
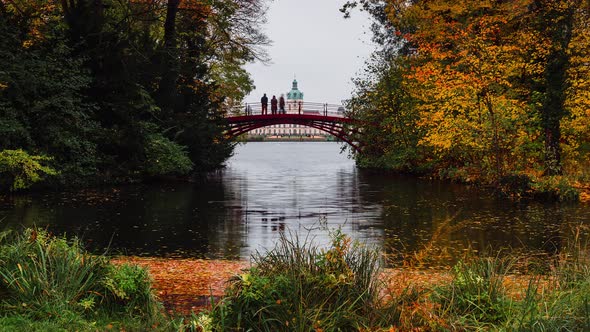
454	219
270	188
287	186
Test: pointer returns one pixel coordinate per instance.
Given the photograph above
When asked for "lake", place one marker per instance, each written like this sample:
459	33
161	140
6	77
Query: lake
307	189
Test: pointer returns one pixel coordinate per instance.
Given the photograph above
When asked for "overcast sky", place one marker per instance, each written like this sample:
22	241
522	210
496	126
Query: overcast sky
312	41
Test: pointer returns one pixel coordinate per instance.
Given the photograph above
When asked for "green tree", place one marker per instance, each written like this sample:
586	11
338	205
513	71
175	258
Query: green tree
575	126
42	108
384	105
125	89
19	170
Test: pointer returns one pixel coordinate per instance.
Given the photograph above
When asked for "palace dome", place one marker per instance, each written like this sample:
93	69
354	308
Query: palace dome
294	94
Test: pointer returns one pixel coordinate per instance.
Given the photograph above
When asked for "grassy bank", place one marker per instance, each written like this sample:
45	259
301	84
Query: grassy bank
52	284
300	287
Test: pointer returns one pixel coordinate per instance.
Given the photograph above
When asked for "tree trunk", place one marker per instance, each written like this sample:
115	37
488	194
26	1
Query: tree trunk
170	65
553	109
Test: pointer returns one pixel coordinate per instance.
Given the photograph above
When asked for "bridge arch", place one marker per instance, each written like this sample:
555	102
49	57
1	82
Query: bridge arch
340	127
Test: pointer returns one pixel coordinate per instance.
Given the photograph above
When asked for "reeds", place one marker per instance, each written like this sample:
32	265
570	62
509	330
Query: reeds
559	300
476	296
297	286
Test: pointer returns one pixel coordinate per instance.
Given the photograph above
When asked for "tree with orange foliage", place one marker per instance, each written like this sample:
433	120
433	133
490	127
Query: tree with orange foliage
494	84
466	75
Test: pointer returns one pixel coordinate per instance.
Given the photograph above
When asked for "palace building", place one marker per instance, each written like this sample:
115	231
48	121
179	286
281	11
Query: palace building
293	105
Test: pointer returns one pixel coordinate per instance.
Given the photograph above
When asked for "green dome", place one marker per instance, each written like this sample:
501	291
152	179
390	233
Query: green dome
295	94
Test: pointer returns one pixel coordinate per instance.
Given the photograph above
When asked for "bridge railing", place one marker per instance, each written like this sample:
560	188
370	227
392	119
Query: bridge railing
303	107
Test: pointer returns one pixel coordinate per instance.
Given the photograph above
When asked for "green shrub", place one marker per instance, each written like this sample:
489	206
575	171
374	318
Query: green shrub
562	303
131	287
515	185
165	157
560	300
459	174
554	310
555	188
300	287
47	274
19	170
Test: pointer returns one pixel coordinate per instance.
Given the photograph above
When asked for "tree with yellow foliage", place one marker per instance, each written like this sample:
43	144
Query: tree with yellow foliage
498	88
465	76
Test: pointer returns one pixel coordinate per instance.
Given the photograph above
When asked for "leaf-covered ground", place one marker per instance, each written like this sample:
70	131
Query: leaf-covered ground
187	285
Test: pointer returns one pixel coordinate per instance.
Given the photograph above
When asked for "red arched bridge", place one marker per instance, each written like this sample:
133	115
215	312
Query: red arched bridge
329	118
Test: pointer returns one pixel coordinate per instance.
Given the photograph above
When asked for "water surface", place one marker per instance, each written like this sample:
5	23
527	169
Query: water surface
269	188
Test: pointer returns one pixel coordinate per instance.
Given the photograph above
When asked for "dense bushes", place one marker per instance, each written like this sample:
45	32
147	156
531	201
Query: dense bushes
447	92
492	294
476	293
477	299
548	188
120	95
49	283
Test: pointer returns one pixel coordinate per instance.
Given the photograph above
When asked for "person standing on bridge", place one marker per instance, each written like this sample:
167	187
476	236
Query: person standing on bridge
273	105
282	104
264	102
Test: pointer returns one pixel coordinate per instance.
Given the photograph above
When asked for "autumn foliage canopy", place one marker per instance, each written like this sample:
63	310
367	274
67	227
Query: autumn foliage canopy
478	90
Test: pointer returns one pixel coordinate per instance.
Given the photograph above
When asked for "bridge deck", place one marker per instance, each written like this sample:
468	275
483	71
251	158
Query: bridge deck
288	117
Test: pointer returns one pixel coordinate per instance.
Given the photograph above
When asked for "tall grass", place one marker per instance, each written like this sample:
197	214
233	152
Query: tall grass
43	277
560	301
299	286
46	273
51	283
477	299
476	296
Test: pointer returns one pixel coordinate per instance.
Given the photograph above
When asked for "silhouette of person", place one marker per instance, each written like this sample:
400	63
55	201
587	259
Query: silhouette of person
282	104
264	102
273	105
